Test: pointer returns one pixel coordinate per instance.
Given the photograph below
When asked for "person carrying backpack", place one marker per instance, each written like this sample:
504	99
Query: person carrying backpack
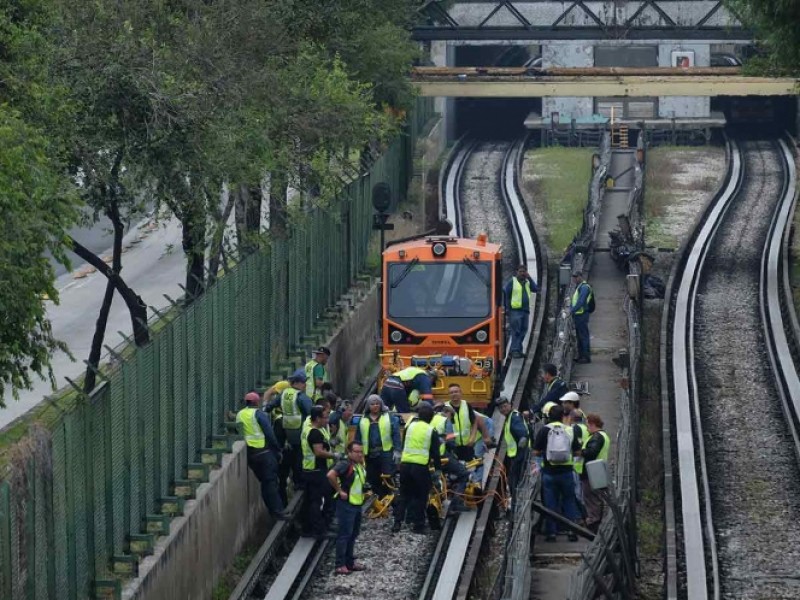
581	307
557	444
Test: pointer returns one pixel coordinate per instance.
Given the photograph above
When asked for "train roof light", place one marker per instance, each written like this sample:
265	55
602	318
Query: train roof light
439	249
482	238
402	254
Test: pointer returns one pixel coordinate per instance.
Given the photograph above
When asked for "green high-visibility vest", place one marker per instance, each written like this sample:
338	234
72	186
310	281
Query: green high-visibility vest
409	373
253	434
309	458
417	448
439	423
511	443
603	454
461	423
516	293
384	426
292	417
356	494
576	294
311	383
584	440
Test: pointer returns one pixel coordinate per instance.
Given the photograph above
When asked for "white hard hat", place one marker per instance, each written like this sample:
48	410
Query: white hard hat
570	397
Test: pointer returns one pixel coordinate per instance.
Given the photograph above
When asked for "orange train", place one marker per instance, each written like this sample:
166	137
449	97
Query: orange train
443	309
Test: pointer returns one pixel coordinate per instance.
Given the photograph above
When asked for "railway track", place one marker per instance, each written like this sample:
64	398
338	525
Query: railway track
733	337
405	565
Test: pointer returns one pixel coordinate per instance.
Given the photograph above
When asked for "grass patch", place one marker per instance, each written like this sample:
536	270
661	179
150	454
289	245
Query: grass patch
230	578
560	177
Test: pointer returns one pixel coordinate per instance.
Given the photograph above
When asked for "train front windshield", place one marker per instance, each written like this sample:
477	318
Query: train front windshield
439	297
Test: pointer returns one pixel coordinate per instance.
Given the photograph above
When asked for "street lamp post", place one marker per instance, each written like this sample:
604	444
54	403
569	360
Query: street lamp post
381	201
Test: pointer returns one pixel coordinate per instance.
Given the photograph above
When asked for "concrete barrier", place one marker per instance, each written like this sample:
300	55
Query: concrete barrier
187	563
353	345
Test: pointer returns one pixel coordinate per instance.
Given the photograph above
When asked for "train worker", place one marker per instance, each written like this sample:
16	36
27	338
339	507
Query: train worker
379	433
442	422
347	478
421	447
295	406
263	452
317	373
516	436
581	432
339	424
317	460
581	306
554	387
595	447
517	295
271	398
466	423
557	444
405	388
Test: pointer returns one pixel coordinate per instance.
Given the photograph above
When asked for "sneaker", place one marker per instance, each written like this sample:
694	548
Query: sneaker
342	571
572	537
396	527
550	538
357	567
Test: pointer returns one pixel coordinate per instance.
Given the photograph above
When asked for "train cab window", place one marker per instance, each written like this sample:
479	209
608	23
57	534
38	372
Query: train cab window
445	297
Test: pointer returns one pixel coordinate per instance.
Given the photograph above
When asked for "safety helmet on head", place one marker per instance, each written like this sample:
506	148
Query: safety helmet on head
298	376
570	397
252	397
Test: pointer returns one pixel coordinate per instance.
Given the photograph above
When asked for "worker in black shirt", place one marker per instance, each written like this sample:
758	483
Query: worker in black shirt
421	446
347	478
557	445
554	387
317	459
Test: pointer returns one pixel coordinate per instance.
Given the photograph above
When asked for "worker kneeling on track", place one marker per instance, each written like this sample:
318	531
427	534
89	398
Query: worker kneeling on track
467	422
403	390
421	446
317	460
453	468
379	433
348	479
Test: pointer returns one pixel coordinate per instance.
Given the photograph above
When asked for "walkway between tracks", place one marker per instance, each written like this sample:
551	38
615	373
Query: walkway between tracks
555	562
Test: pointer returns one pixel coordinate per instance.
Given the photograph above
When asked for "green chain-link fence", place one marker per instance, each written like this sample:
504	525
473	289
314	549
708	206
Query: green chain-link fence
77	493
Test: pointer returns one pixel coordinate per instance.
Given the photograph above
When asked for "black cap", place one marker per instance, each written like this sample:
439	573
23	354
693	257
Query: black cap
323	350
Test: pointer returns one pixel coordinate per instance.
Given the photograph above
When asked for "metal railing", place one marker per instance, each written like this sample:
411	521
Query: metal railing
81	494
610	564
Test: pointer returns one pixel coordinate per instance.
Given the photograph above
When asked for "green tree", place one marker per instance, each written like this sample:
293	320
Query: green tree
777	27
36	212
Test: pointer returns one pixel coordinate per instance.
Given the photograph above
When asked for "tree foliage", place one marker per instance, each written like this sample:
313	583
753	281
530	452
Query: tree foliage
777	27
36	211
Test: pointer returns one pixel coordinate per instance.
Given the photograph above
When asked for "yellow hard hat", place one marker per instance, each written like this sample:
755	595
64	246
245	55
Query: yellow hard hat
281	385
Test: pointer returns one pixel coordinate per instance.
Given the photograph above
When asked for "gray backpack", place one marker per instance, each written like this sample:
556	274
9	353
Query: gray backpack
559	446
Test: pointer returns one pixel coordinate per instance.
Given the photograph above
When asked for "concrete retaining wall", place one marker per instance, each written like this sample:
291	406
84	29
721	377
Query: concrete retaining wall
202	543
228	511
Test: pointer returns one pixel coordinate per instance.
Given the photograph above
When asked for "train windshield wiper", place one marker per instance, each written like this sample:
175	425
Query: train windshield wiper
471	265
405	272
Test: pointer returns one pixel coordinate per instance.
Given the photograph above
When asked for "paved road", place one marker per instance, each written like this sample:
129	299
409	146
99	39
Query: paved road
148	267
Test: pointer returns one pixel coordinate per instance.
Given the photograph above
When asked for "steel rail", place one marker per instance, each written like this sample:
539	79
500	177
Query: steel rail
452	571
700	551
687	416
775	297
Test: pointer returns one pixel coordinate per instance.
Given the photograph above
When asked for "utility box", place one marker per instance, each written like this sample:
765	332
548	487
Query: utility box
599	474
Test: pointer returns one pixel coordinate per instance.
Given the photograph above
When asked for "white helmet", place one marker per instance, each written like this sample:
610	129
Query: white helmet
570	397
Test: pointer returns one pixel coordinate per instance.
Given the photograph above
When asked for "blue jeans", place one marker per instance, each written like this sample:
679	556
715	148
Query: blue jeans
518	319
349	517
559	495
582	332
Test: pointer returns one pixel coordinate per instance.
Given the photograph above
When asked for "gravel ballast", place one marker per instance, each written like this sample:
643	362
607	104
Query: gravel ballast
750	454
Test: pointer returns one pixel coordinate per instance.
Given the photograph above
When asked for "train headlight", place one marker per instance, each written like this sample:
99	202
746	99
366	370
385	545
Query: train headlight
439	249
396	336
481	335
